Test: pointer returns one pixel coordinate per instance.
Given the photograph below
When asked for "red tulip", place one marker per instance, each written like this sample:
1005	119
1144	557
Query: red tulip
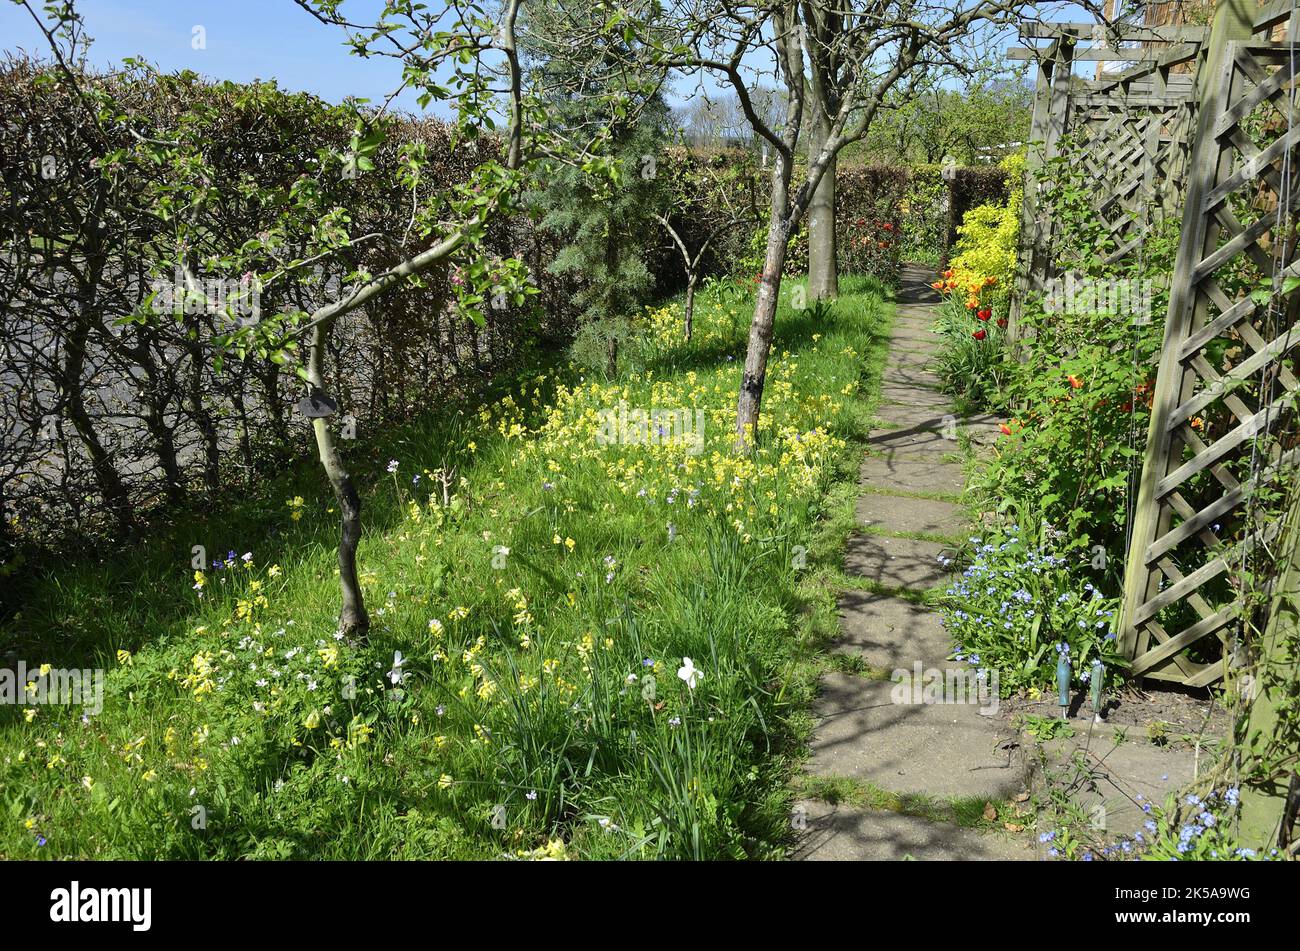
1002	321
979	335
1006	430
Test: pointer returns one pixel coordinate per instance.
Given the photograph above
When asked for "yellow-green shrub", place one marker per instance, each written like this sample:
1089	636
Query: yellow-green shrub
988	234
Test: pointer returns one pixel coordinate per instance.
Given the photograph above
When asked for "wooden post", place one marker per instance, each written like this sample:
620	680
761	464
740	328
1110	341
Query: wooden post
1044	134
1233	20
1263	801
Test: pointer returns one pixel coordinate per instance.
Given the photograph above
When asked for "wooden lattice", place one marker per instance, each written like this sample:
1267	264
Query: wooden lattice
1223	394
1134	148
1134	132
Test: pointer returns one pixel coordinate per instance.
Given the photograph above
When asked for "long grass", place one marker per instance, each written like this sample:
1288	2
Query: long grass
543	613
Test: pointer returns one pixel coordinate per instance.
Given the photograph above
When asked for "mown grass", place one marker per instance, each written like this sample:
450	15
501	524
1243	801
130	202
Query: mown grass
967	811
542	615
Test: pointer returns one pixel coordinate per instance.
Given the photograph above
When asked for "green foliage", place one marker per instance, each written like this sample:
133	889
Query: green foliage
1080	424
974	370
590	348
603	224
532	579
796	258
923	221
1018	604
1188	828
872	220
928	124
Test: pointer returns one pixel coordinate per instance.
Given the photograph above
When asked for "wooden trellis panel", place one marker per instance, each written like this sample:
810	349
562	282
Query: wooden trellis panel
1225	378
1135	128
1134	147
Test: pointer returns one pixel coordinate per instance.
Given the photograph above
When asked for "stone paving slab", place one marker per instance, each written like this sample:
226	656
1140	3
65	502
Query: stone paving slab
1115	775
934	442
913	341
912	395
942	750
902	513
842	833
911	474
890	633
910	376
919	417
909	360
897	562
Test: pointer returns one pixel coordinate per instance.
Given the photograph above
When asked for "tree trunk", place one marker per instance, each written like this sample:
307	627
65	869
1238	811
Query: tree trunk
823	272
760	332
353	619
690	306
611	356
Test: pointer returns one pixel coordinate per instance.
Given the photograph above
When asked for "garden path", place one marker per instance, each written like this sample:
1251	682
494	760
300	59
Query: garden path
887	779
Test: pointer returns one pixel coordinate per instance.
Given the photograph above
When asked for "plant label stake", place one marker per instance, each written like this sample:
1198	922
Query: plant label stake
1098	675
1063	682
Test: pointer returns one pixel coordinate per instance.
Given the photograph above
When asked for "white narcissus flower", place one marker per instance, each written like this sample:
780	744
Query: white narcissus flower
396	675
688	673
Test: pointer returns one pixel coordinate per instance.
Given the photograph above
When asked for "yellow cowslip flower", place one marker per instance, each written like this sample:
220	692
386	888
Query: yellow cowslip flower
149	776
273	571
569	543
198	579
313	720
45	669
444	781
29	714
555	539
359	734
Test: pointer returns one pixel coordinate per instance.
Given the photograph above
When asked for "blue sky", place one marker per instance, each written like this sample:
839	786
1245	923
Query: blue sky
246	39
